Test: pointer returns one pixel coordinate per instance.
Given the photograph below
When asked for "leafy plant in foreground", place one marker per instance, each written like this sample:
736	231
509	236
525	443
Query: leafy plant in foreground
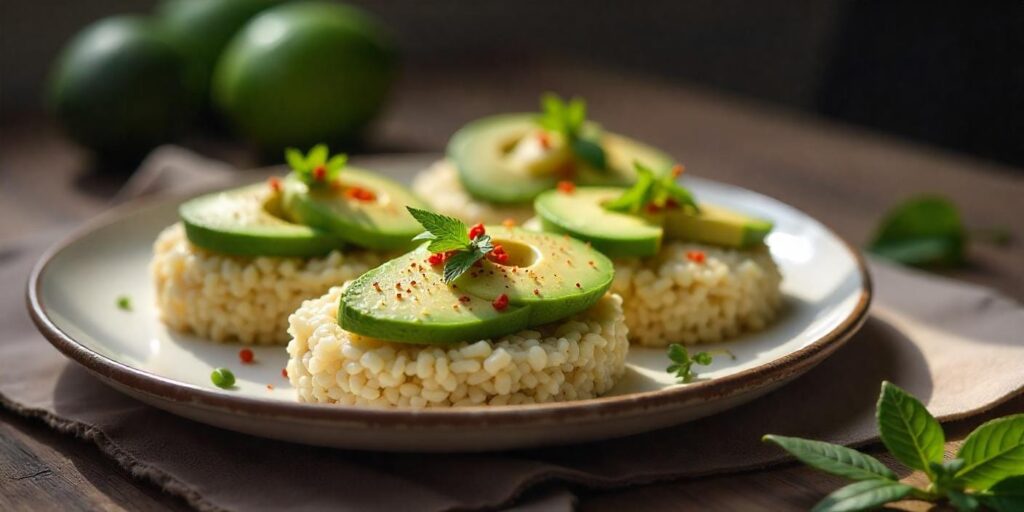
986	474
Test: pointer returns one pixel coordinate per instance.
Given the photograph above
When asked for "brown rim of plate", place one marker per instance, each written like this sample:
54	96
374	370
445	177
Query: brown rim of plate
577	411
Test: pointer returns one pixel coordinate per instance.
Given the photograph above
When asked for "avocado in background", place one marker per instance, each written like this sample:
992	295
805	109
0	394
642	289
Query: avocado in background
303	73
119	88
201	29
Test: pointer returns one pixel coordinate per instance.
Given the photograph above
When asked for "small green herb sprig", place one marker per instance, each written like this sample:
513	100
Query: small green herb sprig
315	168
567	118
927	231
451	236
682	361
987	472
652	189
124	303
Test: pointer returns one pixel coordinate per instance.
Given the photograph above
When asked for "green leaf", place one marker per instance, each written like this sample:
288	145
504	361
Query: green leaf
963	502
576	115
908	430
295	159
458	263
636	196
337	162
683	367
317	156
589	152
680	194
702	358
865	495
1005	496
833	458
445	233
921	231
994	451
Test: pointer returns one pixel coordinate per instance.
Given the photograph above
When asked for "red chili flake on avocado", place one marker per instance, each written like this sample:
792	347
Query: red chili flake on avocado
566	187
544	139
398	296
275	183
319	173
536	292
500	303
464	298
376	286
360	194
498	254
436	259
246	355
578	285
695	256
476	230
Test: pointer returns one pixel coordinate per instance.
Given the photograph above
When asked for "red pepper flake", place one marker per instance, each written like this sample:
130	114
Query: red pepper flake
284	372
671	204
695	256
275	183
653	208
398	296
270	387
566	187
578	285
376	286
246	355
544	139
678	170
412	283
319	173
500	303
536	292
476	230
509	222
498	254
398	286
436	259
360	194
464	298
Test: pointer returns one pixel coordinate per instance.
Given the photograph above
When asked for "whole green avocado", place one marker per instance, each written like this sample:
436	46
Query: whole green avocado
119	87
303	73
201	29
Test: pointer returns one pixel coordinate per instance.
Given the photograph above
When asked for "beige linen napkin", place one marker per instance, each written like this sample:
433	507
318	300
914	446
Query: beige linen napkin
958	347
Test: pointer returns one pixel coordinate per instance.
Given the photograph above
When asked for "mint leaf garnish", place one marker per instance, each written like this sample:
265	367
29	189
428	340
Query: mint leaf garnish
315	168
568	120
450	235
682	365
652	190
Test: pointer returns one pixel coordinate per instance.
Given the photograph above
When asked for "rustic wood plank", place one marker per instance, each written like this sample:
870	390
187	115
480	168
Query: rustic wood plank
41	469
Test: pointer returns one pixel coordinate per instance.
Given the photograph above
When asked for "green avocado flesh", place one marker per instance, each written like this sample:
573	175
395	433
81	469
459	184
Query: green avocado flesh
481	151
382	223
247	222
581	215
717	226
406	300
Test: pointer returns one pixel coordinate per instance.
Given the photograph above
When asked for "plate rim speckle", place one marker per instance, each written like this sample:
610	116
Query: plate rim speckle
162	388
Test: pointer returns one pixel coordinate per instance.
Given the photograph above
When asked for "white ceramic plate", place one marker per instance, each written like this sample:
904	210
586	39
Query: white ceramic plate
73	290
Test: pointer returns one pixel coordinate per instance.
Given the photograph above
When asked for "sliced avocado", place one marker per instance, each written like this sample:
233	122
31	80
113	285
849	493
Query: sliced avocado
547	277
717	226
378	223
580	214
484	152
247	222
557	275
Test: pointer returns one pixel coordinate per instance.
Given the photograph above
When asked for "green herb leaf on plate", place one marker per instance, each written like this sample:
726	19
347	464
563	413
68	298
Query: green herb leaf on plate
833	458
994	451
568	119
651	189
445	233
908	430
314	169
921	231
682	365
865	495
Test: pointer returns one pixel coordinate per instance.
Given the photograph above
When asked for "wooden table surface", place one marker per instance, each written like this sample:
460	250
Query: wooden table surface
843	176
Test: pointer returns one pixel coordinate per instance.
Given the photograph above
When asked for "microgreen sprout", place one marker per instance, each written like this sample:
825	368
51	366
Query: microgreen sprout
315	168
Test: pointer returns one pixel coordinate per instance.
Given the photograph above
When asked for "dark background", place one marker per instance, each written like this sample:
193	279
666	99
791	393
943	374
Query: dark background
943	73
